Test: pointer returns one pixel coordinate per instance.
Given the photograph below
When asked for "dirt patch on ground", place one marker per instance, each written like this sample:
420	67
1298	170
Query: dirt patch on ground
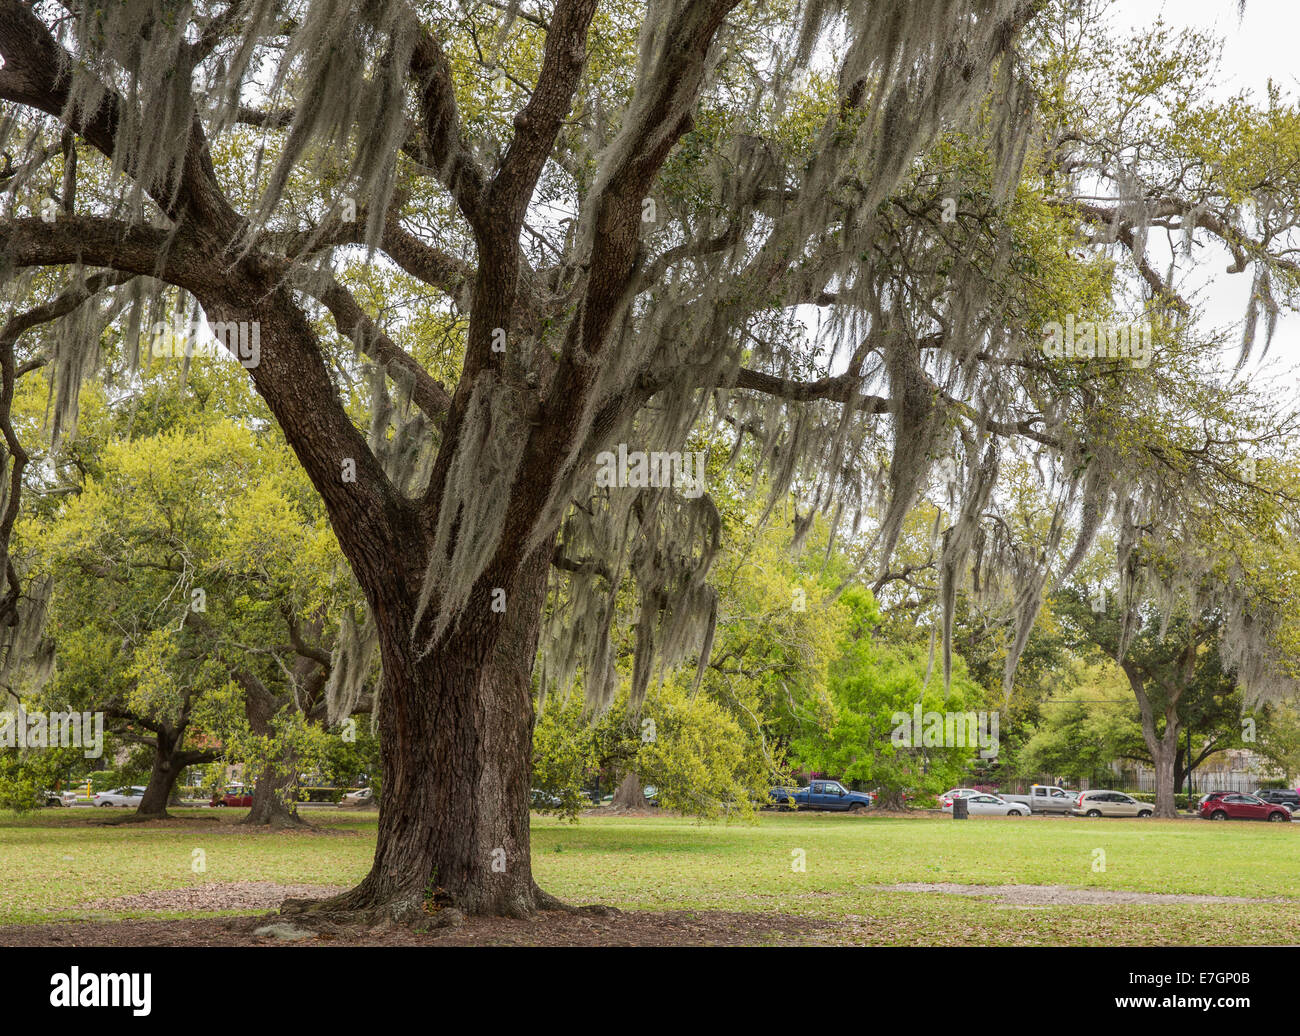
1063	895
234	895
549	928
219	821
619	811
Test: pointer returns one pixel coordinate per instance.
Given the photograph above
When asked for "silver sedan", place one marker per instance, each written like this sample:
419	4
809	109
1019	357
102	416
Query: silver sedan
991	806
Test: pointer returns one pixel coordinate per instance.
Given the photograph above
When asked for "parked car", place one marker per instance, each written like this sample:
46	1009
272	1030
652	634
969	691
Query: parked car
945	800
651	794
360	797
1046	798
58	798
1243	807
119	797
984	804
1281	797
1102	803
828	795
234	797
544	799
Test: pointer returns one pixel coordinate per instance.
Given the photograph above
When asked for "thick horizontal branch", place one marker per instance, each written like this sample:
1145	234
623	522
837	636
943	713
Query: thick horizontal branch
842	389
93	241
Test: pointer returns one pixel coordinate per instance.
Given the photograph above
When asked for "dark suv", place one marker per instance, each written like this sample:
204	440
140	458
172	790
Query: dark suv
1281	797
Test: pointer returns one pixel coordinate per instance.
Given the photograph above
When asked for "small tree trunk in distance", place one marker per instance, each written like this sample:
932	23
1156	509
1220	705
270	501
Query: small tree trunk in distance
169	762
1162	751
272	806
1163	748
162	778
630	794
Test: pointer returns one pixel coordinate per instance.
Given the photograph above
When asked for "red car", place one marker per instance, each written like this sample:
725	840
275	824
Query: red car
1242	807
233	797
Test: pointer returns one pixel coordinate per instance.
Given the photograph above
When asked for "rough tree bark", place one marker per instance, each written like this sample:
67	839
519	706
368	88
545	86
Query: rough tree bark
456	742
162	778
272	806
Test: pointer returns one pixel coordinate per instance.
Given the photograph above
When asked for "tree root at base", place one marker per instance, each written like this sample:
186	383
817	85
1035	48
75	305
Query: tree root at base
355	909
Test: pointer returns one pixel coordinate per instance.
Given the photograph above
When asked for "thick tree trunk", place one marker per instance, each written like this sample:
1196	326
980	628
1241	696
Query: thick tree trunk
167	767
630	794
456	742
1165	786
1163	749
272	806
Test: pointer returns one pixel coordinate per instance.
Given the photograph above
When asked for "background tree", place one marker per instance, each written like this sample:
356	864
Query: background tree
872	683
777	628
185	565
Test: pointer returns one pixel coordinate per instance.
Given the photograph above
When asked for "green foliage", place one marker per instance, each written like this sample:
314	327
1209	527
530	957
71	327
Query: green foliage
352	763
872	683
26	773
698	756
190	545
565	755
1084	729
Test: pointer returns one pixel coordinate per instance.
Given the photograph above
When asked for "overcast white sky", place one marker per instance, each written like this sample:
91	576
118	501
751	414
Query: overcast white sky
1258	47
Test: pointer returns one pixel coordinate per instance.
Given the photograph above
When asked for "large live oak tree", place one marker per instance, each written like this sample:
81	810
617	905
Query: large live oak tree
595	329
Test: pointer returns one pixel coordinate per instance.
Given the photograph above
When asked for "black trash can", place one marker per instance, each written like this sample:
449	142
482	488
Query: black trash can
960	808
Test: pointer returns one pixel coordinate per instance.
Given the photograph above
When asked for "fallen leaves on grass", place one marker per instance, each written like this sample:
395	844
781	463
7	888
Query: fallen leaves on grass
1063	895
226	895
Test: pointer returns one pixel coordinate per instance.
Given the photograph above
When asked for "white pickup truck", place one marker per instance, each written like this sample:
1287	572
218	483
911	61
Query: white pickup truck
1044	798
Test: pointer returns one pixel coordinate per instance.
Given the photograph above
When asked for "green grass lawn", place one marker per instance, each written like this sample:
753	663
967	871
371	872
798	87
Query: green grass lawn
54	860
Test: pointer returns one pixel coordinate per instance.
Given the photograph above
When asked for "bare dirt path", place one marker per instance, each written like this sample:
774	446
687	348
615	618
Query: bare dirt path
550	928
1064	895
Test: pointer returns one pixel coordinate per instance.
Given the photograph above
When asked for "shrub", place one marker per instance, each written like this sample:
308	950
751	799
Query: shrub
1180	798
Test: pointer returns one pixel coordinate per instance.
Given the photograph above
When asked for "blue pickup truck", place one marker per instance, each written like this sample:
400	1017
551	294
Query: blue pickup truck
820	795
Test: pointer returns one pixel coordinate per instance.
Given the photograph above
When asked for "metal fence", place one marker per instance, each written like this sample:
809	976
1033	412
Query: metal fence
1145	781
1202	781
